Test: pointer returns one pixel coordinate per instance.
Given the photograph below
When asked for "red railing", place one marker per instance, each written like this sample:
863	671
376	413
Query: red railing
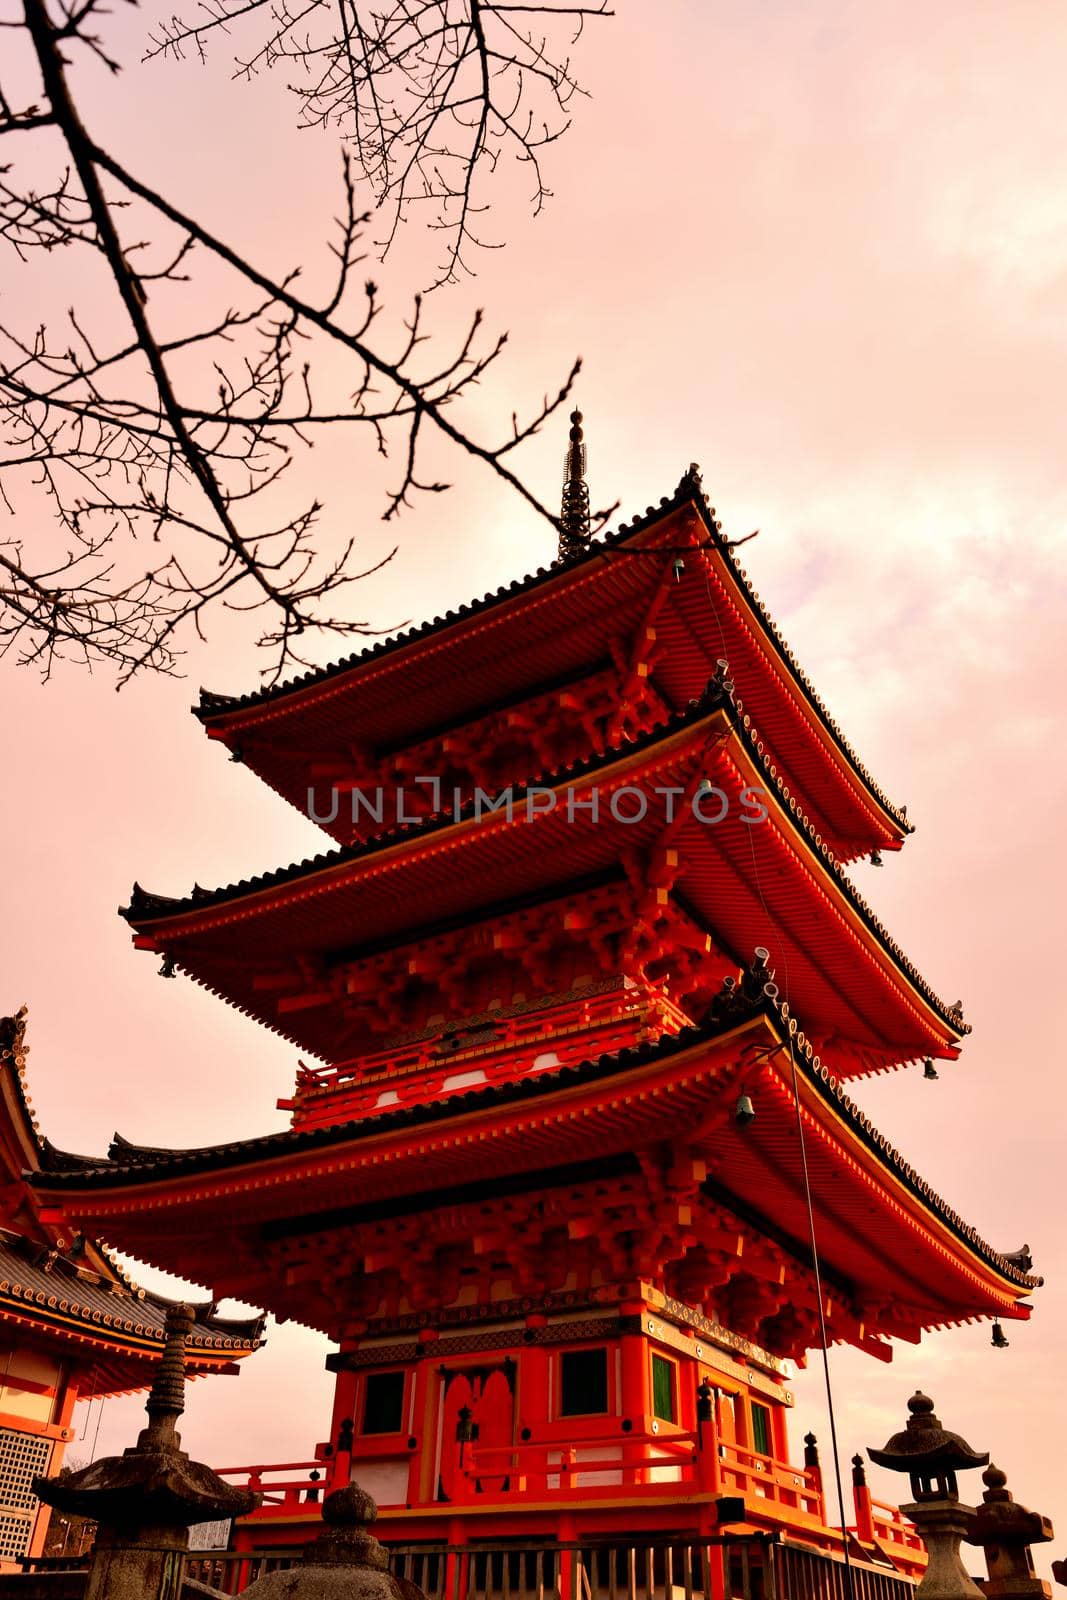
893	1527
767	1478
609	1464
549	1466
285	1490
609	1020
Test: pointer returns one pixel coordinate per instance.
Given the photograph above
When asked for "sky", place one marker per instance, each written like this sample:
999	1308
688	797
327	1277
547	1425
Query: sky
821	249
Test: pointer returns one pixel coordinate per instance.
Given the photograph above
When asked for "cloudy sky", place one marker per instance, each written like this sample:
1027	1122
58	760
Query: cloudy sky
822	250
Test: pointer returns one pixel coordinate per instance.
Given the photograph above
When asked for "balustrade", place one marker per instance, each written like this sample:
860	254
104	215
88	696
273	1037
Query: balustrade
722	1568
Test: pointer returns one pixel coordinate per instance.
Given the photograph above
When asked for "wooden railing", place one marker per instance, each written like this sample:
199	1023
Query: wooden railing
764	1477
284	1483
618	1461
603	1021
726	1568
892	1527
612	1464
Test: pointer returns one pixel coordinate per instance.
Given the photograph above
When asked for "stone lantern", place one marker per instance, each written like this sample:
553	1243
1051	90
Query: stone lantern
1005	1531
146	1500
932	1456
345	1562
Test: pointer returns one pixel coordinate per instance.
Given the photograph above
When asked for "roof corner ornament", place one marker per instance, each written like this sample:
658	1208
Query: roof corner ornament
574	514
13	1046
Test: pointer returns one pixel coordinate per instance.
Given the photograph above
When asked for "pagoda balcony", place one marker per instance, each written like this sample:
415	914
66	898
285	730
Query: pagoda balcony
493	1047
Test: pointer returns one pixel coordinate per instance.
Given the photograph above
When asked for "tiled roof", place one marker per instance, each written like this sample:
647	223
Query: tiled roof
146	906
689	490
129	1164
48	1284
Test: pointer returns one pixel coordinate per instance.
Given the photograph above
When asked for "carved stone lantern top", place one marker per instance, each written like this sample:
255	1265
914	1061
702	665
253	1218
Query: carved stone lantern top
1005	1528
930	1453
345	1562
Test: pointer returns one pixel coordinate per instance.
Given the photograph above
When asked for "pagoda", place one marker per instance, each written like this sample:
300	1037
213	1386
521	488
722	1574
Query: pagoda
572	1176
73	1325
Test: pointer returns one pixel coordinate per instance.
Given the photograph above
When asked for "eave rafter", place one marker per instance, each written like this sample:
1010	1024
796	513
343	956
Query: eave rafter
924	1264
716	737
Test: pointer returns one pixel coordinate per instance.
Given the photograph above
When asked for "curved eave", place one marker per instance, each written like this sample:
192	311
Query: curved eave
423	1135
49	1290
109	1338
19	1132
91	1300
107	1367
227	716
162	924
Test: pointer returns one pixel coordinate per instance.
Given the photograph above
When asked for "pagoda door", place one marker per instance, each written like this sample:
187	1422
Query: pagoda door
478	1416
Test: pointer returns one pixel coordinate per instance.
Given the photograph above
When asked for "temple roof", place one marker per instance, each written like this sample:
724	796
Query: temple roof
54	1294
68	1287
346	699
259	1165
183	927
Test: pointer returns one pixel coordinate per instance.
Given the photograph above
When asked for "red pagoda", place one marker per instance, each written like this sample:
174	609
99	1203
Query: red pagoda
580	985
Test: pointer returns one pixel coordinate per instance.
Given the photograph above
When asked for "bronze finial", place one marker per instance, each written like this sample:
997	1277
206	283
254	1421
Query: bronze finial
574	515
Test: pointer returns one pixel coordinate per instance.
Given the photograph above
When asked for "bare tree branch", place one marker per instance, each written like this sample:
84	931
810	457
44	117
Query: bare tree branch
143	459
431	94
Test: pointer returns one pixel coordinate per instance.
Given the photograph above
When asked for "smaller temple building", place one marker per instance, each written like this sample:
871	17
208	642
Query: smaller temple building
73	1326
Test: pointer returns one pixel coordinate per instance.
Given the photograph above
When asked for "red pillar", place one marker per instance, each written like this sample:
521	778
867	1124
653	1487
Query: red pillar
535	1409
423	1424
708	1467
814	1472
861	1495
455	1562
566	1558
635	1404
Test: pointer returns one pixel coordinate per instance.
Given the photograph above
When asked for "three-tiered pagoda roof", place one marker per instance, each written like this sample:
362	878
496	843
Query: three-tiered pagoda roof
561	1001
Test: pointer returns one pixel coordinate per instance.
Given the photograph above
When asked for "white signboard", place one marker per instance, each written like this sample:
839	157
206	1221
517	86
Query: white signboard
210	1535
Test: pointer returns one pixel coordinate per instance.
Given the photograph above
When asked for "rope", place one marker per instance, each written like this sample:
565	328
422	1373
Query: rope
783	950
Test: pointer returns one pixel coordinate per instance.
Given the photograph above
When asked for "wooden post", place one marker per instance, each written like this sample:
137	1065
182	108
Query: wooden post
861	1495
708	1468
634	1400
566	1557
423	1430
535	1404
814	1471
455	1566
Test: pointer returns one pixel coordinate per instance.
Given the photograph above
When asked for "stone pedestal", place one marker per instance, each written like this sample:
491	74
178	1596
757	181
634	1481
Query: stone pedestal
135	1563
943	1525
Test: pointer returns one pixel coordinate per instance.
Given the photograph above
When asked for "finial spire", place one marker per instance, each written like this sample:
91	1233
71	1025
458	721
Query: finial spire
574	515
